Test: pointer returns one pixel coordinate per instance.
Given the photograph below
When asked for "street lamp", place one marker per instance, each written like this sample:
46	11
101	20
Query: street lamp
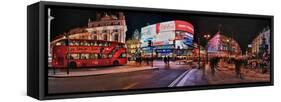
50	18
207	36
228	45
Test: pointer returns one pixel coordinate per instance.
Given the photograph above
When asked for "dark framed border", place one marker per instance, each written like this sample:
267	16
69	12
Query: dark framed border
42	54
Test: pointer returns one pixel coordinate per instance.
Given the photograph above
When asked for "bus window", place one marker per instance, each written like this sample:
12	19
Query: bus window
75	56
104	56
101	44
91	43
72	43
93	56
122	55
75	43
85	56
85	43
110	56
99	56
88	43
60	43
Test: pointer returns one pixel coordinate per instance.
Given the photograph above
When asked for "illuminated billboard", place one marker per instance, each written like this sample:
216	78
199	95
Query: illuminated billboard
147	33
165	33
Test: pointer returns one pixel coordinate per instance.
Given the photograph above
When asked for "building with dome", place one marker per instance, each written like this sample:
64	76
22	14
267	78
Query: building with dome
105	27
133	45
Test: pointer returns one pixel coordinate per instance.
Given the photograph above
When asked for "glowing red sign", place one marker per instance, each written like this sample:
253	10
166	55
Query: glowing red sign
184	26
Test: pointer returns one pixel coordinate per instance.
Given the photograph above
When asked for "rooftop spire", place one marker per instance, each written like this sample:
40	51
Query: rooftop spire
89	20
219	28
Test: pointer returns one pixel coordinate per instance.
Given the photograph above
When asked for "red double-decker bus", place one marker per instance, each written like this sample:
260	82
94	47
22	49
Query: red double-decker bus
77	53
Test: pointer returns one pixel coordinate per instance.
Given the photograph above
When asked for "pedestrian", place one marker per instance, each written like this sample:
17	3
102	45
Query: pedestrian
265	62
165	59
238	63
137	59
212	65
140	59
168	60
147	60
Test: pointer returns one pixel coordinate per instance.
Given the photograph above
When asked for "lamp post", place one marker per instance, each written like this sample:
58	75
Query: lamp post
50	18
68	53
207	36
228	46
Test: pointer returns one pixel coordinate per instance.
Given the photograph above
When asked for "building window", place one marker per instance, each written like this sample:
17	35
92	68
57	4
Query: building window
115	30
104	31
104	37
94	32
115	37
95	37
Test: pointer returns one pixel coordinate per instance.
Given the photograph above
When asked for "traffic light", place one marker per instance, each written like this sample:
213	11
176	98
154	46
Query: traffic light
149	43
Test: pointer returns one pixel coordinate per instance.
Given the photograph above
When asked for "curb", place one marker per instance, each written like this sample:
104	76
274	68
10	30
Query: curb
97	74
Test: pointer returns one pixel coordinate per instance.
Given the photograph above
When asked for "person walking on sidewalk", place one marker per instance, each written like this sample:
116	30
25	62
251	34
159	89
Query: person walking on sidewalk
238	63
147	60
165	59
168	60
213	63
264	62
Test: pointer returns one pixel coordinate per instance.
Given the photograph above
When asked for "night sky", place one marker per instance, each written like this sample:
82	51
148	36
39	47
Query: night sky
243	30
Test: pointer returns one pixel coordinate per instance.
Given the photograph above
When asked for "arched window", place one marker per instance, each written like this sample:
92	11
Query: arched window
116	37
105	37
95	37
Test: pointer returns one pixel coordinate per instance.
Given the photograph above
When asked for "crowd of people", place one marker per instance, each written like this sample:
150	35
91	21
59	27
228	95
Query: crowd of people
148	60
237	61
240	62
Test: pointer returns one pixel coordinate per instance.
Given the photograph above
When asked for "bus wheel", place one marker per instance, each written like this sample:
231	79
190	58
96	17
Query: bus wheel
72	65
115	63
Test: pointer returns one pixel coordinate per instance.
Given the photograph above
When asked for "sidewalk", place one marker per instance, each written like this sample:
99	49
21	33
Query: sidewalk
98	71
226	75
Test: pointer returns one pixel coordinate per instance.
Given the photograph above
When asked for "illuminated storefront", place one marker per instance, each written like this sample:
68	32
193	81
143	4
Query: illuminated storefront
171	38
261	43
133	48
220	45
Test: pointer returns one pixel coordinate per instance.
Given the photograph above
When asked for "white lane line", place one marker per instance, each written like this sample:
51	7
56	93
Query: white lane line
187	76
178	79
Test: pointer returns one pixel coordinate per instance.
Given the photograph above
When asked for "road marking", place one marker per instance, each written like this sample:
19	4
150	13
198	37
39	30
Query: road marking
178	79
130	85
187	76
